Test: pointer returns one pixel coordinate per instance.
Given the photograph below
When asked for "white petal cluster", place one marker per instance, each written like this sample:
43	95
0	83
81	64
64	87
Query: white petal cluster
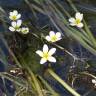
24	30
15	26
53	37
46	54
14	15
77	21
94	81
16	23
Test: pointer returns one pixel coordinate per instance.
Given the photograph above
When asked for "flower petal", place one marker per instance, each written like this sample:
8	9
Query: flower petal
45	48
10	17
52	51
79	16
58	35
51	59
13	24
48	38
51	33
15	12
19	22
43	60
93	81
24	30
40	53
80	25
73	24
11	29
11	13
18	16
72	20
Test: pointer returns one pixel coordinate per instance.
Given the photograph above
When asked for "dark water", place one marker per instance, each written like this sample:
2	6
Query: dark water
9	5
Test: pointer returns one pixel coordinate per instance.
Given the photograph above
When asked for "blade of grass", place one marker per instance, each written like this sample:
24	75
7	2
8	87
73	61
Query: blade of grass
62	82
31	6
48	86
32	79
39	90
62	8
3	58
11	53
13	79
72	5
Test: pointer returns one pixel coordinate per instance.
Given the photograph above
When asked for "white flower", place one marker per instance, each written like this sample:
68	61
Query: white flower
94	81
25	30
15	26
14	15
46	54
12	71
77	20
53	37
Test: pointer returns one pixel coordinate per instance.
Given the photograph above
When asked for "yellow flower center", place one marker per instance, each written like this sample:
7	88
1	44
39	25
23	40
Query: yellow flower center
77	21
24	31
14	17
54	38
46	55
16	27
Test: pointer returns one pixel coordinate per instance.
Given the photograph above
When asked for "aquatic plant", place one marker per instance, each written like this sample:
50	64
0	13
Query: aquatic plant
31	76
46	54
53	37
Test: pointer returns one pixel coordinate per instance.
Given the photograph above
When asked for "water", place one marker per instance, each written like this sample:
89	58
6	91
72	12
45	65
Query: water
9	5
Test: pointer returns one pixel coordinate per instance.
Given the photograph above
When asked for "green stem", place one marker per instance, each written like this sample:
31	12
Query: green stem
90	34
72	5
32	79
37	86
63	9
13	80
86	73
10	51
48	86
63	83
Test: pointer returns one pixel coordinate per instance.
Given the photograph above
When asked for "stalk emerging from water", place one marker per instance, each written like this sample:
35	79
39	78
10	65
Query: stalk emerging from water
63	83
